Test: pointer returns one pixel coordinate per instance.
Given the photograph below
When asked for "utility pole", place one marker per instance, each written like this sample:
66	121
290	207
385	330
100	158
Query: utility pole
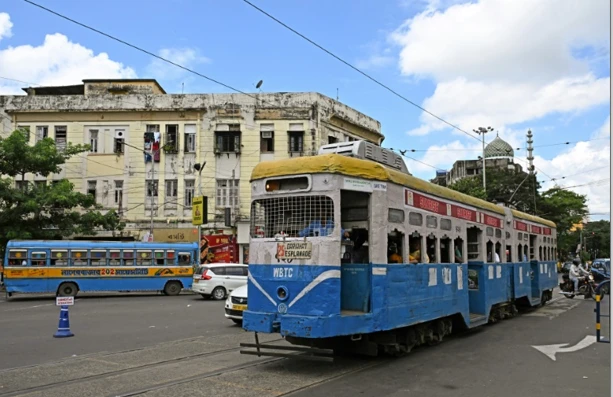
199	167
482	131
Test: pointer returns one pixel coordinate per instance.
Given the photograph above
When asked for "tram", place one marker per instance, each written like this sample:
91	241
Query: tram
350	252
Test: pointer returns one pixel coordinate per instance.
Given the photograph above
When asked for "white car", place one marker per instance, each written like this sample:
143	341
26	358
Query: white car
217	280
236	304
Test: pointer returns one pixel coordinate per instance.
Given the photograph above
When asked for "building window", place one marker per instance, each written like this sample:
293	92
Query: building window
332	139
93	141
227	142
152	188
190	138
60	137
227	193
21	185
91	188
267	138
189	192
152	128
26	131
296	141
118	141
172	138
171	190
42	132
119	192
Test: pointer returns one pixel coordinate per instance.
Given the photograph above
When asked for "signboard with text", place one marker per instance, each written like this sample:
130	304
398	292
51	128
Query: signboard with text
64	301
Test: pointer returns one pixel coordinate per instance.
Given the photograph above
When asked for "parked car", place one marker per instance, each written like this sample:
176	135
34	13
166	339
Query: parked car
236	304
217	280
601	270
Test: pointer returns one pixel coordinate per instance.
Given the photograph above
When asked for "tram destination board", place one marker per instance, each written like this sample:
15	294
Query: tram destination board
294	250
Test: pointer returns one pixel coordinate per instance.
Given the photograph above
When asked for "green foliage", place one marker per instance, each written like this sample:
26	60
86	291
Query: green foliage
473	186
45	211
596	240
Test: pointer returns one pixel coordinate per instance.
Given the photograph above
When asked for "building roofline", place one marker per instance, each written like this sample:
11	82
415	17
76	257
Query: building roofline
125	81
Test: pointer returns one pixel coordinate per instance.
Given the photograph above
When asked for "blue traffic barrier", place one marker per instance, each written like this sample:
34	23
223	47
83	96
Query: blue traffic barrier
63	328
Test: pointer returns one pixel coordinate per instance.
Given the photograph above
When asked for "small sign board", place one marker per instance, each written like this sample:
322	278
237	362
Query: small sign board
64	301
294	250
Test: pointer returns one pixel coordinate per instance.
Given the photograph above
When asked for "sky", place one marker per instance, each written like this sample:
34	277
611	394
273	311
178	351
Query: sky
512	65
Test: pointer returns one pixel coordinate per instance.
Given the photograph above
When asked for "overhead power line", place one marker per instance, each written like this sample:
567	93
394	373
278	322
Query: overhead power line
358	70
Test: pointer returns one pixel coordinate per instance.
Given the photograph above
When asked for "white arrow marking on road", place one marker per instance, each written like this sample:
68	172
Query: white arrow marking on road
551	350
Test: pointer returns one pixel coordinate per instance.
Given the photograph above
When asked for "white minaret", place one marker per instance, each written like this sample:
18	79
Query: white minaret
530	156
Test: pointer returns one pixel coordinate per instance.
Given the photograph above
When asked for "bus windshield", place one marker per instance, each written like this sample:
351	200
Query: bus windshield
302	216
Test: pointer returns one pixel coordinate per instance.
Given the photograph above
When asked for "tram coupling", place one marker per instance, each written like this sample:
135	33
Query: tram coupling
294	352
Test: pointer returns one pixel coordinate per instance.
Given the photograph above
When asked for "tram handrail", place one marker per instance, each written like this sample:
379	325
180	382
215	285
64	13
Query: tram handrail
598	314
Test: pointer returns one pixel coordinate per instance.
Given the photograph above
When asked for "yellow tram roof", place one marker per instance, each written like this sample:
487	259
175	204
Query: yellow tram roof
366	169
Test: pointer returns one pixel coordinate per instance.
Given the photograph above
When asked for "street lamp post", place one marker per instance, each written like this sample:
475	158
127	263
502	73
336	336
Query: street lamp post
482	131
199	167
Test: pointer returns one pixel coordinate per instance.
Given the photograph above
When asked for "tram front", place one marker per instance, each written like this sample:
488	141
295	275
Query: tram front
294	254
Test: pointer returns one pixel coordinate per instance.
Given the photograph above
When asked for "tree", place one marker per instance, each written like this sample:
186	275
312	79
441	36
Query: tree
473	186
597	239
33	211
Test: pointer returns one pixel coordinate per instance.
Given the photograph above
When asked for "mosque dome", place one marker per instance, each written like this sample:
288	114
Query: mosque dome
498	148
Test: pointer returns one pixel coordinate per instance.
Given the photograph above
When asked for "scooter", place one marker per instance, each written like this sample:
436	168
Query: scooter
587	287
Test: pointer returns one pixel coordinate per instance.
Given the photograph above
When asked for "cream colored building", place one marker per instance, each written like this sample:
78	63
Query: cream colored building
230	132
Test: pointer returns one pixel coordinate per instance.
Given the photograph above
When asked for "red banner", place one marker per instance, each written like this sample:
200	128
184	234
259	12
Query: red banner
521	226
420	201
547	231
535	229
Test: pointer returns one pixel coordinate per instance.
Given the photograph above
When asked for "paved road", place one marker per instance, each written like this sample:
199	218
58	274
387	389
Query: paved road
103	323
496	360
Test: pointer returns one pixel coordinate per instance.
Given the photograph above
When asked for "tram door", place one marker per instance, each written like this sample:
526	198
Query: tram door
355	259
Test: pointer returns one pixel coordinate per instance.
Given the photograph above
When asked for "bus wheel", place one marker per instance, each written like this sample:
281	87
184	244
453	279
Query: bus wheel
68	289
172	288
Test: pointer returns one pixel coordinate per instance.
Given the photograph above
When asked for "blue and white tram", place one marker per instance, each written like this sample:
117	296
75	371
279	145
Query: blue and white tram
350	252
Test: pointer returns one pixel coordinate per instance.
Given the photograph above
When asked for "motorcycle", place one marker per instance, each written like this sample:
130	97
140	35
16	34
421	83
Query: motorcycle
587	287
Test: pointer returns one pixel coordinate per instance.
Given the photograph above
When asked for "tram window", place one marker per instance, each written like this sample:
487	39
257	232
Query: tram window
489	231
415	218
431	248
445	224
431	221
489	249
507	235
395	215
498	233
520	256
394	247
457	250
498	254
473	235
297	216
59	257
445	250
525	252
98	258
540	253
519	236
415	243
507	253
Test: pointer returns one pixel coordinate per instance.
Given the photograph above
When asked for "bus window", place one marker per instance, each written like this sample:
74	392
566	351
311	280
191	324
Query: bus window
143	258
159	258
115	258
185	259
17	257
78	258
98	258
39	259
170	258
59	257
415	245
128	257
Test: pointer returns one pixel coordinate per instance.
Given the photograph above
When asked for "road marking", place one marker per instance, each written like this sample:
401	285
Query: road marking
554	308
28	307
551	350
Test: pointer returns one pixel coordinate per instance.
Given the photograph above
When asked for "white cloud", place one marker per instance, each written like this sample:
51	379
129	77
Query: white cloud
375	61
502	62
57	61
5	25
187	57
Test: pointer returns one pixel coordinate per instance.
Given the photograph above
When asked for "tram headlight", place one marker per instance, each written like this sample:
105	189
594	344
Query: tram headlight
282	293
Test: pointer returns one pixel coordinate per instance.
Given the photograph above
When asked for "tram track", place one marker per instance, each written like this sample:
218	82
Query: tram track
124	371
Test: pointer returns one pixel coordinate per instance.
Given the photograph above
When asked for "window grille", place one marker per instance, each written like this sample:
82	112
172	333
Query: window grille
118	192
415	218
445	224
93	141
302	216
431	221
42	132
60	137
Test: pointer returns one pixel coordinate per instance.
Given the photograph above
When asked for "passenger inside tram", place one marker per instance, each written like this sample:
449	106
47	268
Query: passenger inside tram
431	247
415	251
458	252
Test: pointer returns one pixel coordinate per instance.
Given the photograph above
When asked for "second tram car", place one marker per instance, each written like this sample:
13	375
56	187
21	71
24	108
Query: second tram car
350	252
